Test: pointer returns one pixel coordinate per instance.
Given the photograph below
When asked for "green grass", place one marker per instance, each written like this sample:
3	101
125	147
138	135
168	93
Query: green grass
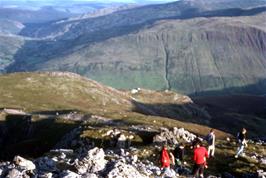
137	78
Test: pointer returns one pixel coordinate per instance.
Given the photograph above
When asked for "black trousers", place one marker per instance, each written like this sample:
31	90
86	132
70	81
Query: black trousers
198	168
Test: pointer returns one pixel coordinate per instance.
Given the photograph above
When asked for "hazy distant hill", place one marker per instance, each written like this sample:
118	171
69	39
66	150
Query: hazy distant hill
10	26
189	46
9	45
44	14
133	19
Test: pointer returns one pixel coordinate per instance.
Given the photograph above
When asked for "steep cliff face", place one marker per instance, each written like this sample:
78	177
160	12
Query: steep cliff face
190	56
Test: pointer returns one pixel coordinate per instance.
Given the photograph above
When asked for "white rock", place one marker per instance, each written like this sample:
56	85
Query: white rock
135	90
263	161
14	173
93	162
89	175
69	174
26	164
122	170
46	175
261	174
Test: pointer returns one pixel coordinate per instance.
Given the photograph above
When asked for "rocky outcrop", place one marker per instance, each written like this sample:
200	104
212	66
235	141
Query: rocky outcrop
110	162
124	170
173	137
20	168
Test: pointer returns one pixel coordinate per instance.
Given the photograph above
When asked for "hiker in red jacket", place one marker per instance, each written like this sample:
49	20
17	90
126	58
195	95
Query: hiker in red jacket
200	155
165	158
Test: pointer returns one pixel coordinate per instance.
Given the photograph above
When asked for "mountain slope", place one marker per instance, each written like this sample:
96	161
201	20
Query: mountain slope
190	56
10	27
183	46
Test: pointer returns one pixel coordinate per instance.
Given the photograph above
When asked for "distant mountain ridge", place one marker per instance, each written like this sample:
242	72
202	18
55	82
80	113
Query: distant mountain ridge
141	16
180	46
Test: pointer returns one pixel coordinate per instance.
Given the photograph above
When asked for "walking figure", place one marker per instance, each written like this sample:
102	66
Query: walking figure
210	138
200	156
242	141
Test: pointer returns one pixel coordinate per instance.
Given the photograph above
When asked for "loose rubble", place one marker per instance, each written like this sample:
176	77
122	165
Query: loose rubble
88	161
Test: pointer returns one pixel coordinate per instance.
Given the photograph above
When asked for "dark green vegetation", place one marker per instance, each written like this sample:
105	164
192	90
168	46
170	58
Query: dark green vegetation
48	98
193	47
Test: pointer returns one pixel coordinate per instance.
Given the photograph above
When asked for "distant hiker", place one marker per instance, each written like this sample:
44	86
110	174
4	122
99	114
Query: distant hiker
165	160
200	156
241	138
210	138
114	134
179	153
194	142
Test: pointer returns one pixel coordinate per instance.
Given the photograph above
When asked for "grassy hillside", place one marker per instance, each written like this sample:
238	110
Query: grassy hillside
39	92
52	98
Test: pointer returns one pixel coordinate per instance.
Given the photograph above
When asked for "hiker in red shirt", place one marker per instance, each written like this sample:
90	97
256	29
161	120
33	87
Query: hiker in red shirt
200	155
